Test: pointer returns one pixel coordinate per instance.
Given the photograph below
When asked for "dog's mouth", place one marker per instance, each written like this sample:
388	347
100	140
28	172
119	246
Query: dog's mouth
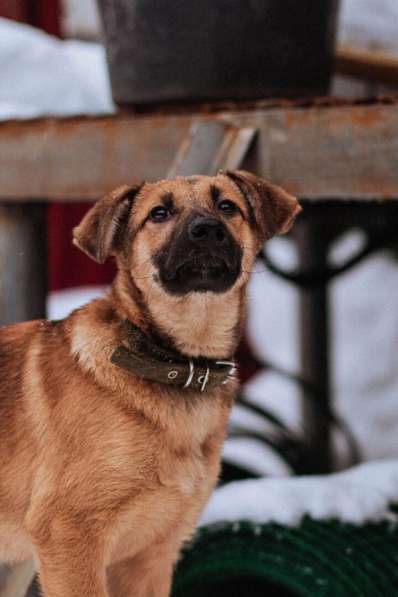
202	256
206	273
202	270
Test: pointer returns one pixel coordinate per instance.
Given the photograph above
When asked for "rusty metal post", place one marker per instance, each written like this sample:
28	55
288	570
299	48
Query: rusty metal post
23	272
313	243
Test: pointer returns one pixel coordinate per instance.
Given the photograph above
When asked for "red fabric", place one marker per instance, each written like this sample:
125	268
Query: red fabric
38	13
45	15
14	9
67	265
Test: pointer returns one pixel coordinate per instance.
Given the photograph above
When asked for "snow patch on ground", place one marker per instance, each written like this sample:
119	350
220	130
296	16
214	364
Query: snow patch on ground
359	495
62	302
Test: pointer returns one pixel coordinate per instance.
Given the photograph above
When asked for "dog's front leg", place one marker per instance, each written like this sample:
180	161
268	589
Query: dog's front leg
71	571
148	574
61	578
70	558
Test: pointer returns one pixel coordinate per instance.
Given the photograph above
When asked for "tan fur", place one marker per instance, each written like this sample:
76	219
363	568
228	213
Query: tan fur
104	474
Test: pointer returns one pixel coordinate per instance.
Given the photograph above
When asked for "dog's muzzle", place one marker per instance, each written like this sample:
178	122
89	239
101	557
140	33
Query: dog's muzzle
202	257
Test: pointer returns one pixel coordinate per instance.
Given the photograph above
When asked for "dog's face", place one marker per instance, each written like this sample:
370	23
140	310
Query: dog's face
186	235
192	233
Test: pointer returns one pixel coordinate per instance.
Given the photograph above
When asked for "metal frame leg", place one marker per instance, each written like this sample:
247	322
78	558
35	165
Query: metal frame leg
23	271
313	245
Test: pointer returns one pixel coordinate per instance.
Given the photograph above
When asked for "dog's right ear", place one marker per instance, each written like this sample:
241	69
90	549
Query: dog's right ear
274	210
100	232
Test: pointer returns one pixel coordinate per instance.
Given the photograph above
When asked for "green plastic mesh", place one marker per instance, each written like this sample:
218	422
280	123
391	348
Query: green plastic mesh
325	558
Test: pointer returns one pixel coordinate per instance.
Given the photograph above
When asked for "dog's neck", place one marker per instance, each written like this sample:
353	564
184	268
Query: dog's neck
199	324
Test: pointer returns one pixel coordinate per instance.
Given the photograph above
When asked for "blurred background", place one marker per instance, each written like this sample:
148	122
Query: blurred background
53	61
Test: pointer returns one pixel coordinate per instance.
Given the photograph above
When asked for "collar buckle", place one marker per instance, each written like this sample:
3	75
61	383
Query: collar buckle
231	372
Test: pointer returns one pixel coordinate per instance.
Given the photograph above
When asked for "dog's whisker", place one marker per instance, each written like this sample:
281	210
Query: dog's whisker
253	271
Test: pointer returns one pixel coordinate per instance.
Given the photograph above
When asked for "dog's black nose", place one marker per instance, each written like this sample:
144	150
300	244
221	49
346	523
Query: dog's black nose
207	229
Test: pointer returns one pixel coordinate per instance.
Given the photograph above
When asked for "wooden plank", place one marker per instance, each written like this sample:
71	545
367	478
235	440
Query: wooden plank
348	151
375	66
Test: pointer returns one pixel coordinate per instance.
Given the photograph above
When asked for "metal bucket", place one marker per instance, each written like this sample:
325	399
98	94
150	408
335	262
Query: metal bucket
190	50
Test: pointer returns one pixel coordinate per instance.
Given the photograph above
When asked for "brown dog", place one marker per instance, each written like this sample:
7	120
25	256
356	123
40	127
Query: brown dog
112	420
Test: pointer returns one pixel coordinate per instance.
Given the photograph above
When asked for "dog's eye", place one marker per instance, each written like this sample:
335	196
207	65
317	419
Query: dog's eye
227	207
159	213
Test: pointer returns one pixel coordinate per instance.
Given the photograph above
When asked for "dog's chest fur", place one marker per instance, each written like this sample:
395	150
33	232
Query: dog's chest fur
124	452
179	481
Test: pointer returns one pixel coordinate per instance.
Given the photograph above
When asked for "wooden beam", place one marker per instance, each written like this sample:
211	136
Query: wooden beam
375	66
342	151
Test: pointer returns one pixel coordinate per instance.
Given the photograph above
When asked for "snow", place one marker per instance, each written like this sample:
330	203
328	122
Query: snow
61	302
81	19
363	493
255	456
41	75
370	24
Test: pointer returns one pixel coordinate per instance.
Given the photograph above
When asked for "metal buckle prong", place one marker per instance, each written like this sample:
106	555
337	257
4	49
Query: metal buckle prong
231	364
231	372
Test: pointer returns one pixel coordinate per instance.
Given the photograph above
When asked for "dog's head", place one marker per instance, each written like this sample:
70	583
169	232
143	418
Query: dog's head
186	235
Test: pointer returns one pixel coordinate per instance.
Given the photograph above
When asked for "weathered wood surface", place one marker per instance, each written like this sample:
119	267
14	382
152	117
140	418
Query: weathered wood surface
348	151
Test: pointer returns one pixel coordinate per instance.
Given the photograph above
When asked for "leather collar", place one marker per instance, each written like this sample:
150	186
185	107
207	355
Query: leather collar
141	356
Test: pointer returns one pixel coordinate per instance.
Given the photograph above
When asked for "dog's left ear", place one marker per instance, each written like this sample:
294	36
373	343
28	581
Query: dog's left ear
273	209
100	232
